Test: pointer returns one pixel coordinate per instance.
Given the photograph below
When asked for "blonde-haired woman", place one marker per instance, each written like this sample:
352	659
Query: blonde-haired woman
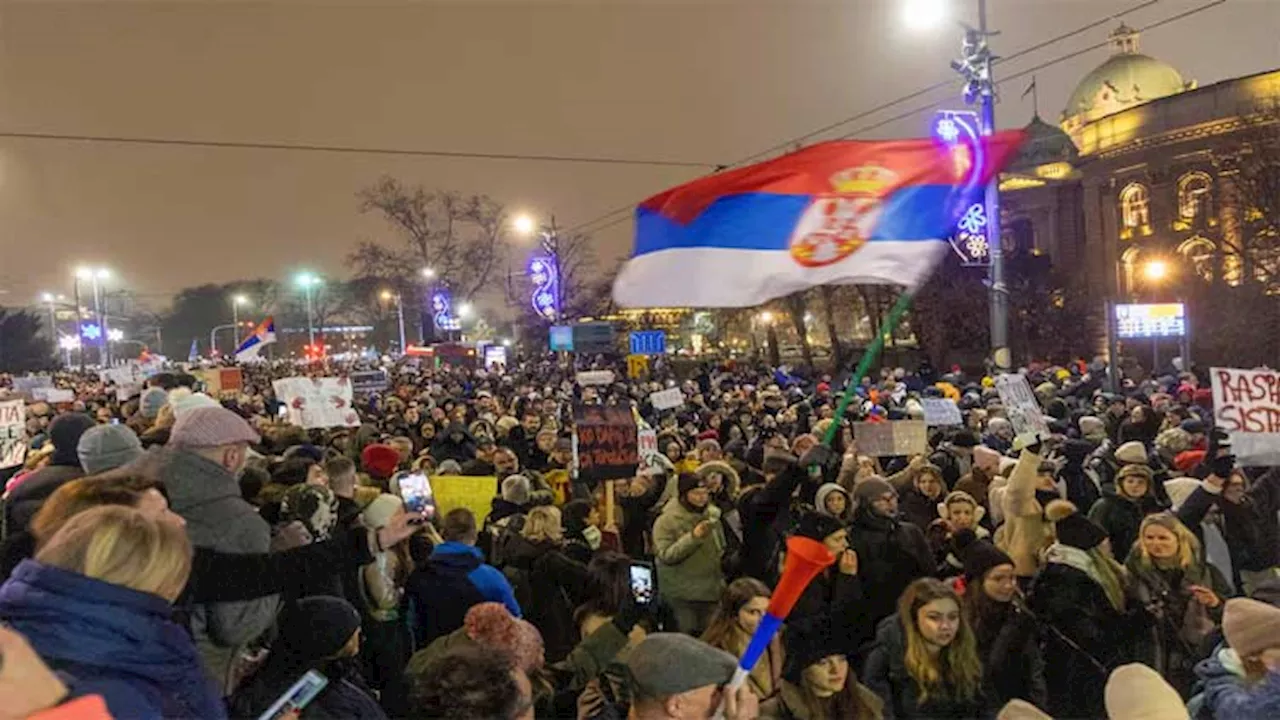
1183	594
96	602
547	583
925	662
1081	596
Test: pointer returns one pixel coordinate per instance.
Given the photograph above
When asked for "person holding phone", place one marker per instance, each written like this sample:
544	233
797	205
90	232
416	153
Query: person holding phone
689	542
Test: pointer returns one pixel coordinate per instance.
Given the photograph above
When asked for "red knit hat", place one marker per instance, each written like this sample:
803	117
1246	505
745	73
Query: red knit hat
380	461
1187	460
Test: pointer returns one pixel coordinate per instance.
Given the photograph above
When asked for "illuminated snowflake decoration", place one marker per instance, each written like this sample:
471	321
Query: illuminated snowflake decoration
92	332
947	130
976	246
974	219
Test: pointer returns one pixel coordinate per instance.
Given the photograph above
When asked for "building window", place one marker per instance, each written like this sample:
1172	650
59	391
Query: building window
1135	208
1129	271
1195	196
1202	254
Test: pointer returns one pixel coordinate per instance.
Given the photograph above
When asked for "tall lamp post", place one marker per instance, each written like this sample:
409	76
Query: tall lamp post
388	295
236	302
546	271
50	299
974	65
426	314
97	276
308	282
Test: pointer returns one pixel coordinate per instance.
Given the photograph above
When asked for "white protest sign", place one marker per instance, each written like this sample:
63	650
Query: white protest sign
647	443
667	399
13	433
29	383
889	439
595	377
53	395
940	412
317	402
1021	407
1246	403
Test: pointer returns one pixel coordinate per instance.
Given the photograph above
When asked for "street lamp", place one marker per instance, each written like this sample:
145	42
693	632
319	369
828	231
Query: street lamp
428	273
922	15
387	295
96	276
308	282
545	271
465	311
49	299
236	301
1155	271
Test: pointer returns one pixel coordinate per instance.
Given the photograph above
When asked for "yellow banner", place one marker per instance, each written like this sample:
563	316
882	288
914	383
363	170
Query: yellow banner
455	491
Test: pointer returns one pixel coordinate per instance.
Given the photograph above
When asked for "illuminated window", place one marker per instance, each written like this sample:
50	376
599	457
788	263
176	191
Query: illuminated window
1202	254
1135	208
1195	196
1129	270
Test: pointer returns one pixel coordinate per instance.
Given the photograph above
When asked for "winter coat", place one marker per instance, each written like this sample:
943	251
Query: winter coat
788	704
26	499
112	641
208	498
1085	638
840	596
547	585
917	509
443	589
1227	697
891	554
345	696
766	515
1025	532
1012	662
1250	528
886	674
1166	595
1121	517
461	451
688	567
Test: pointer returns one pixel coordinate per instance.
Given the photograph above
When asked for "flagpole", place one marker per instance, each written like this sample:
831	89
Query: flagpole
873	351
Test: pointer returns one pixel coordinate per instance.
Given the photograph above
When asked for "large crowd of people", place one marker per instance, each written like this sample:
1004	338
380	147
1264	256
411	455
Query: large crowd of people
177	553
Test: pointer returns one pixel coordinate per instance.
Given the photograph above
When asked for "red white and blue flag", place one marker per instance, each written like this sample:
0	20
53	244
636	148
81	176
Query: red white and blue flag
841	212
262	336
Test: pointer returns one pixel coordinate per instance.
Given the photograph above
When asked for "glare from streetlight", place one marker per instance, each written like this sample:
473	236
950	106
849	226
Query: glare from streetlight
240	300
102	273
1155	270
428	273
524	224
84	273
920	15
766	317
386	295
465	310
46	297
307	279
506	342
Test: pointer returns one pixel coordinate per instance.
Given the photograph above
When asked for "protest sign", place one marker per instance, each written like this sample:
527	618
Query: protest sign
888	439
317	402
647	444
941	412
1021	407
637	366
607	443
666	399
1246	403
52	395
369	381
28	384
473	493
221	380
13	433
595	377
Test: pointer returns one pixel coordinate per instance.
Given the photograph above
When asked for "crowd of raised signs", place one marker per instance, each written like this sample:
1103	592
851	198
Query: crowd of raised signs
557	542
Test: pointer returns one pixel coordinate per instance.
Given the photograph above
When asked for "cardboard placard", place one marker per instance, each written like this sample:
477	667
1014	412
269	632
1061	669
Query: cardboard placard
1021	407
607	443
455	491
667	399
647	443
317	402
941	412
13	433
1246	403
889	439
29	383
369	381
637	366
595	377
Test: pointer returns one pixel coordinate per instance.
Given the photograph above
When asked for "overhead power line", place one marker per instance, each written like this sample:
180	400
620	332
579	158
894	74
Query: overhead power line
610	220
355	150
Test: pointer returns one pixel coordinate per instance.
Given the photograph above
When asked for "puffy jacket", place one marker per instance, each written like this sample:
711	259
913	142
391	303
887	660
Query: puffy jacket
1227	697
1025	531
688	567
547	586
453	579
886	674
113	641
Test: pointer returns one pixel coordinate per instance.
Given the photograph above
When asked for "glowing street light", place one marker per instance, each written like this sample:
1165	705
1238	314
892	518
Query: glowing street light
387	296
1155	271
96	276
766	317
428	273
465	310
524	224
308	282
921	15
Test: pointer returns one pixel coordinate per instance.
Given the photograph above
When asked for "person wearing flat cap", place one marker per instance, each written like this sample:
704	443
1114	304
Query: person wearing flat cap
677	677
199	467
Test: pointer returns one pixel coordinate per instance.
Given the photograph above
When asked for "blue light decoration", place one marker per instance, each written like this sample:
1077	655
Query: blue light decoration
546	287
960	132
91	331
442	311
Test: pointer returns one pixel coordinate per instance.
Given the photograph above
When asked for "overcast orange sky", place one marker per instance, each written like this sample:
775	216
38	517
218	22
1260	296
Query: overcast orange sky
705	81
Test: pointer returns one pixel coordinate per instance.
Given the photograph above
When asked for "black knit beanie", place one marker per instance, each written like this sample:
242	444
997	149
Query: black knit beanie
318	627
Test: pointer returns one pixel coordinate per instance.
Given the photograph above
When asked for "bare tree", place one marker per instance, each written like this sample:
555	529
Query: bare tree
1250	238
581	281
459	237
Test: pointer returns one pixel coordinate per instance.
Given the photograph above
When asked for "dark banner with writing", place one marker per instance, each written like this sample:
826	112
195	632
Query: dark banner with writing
607	446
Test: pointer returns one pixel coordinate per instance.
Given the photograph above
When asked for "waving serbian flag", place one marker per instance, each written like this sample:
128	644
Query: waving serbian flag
262	336
842	212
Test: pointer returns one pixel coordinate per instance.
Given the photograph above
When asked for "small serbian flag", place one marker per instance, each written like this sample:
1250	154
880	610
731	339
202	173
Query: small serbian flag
841	212
262	336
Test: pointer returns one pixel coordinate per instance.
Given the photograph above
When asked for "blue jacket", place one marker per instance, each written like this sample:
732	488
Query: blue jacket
1228	698
112	641
444	589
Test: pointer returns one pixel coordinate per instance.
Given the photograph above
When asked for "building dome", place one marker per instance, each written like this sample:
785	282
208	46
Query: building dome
1126	79
1044	144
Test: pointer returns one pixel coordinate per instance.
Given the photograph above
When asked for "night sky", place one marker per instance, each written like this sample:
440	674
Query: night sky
705	81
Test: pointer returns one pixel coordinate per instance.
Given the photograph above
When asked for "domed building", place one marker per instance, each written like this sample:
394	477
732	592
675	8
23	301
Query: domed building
1143	168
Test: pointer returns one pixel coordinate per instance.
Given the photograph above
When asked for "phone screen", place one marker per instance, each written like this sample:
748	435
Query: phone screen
642	582
291	703
282	410
415	490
